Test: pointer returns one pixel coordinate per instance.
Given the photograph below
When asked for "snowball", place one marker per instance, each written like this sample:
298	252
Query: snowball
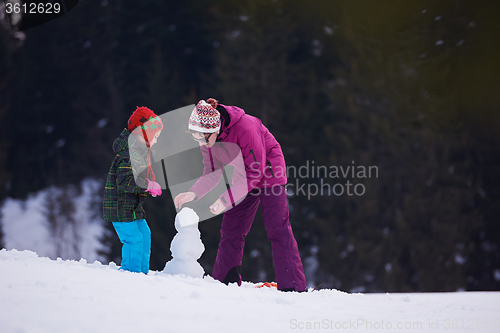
187	245
189	268
186	217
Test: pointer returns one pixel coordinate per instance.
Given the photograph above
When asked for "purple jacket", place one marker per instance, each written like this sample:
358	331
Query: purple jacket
247	145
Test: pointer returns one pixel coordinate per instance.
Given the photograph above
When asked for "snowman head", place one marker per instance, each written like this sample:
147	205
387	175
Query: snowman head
186	218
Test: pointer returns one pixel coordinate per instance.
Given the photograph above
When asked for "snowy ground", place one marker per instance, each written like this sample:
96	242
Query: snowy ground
43	295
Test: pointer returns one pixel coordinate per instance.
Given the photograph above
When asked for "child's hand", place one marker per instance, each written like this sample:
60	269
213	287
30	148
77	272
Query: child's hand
182	198
153	188
217	207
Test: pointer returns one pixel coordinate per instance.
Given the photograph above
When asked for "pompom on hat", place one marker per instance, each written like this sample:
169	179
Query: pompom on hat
148	122
205	118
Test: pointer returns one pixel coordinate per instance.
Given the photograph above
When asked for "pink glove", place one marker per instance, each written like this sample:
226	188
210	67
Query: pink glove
153	188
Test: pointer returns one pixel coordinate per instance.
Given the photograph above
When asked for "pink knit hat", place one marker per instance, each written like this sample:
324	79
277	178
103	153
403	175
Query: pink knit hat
205	118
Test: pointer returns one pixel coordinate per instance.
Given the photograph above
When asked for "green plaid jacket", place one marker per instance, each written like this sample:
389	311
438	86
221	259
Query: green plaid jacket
124	197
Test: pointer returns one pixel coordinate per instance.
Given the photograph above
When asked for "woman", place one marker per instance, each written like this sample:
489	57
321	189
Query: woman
215	126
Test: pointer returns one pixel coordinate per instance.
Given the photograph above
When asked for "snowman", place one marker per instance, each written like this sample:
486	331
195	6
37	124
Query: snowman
186	247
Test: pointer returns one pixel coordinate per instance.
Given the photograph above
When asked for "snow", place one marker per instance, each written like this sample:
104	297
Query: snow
38	294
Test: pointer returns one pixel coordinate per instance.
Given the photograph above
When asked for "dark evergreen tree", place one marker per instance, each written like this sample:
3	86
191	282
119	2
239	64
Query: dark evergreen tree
1	233
401	98
9	45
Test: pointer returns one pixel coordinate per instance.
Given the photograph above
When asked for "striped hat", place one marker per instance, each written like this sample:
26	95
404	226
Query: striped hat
205	118
148	122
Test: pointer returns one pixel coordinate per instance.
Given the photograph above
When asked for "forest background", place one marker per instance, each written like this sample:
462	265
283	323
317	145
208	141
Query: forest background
410	87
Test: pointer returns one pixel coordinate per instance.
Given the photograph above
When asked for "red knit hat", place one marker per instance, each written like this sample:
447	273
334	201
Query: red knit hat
147	121
148	124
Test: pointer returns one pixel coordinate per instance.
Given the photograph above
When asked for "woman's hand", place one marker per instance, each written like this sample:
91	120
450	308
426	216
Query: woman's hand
182	198
217	207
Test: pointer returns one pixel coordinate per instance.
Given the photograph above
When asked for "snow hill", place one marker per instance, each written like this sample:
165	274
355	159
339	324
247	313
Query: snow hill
43	295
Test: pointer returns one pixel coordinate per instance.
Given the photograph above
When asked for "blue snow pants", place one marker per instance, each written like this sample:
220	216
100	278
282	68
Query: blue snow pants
136	250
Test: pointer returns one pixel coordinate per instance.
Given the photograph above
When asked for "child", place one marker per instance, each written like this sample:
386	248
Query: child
212	125
129	180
